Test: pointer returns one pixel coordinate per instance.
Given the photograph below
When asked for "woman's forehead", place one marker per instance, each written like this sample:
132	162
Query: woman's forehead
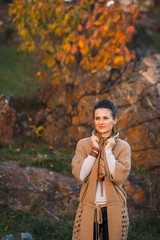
103	112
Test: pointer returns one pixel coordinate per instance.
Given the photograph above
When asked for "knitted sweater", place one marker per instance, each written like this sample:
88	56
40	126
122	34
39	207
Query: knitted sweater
100	196
116	197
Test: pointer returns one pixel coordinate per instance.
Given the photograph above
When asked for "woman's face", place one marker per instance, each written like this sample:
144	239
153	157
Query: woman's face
104	121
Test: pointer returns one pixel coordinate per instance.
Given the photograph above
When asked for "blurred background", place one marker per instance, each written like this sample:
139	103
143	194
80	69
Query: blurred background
57	59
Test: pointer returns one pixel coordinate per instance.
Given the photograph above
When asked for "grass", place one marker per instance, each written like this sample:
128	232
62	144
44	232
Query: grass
41	227
37	154
16	72
45	227
144	229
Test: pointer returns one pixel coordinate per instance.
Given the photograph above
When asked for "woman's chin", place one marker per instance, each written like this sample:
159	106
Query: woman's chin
102	131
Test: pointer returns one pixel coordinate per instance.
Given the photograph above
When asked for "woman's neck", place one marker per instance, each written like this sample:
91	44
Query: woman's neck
107	134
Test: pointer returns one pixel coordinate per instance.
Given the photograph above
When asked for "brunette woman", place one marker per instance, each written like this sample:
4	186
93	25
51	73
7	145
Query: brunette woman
102	162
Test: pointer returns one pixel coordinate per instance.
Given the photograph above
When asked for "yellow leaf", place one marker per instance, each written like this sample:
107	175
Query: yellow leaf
20	6
118	50
118	60
40	4
67	47
105	28
84	50
94	70
38	74
81	44
58	31
97	23
33	8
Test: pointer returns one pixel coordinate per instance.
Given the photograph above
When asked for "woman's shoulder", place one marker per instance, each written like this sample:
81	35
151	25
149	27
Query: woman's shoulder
84	141
84	145
122	143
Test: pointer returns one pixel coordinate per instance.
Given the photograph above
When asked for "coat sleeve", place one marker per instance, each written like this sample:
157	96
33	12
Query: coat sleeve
122	165
78	159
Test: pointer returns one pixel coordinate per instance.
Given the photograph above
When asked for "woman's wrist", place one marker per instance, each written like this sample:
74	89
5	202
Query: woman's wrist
94	151
108	148
93	154
94	148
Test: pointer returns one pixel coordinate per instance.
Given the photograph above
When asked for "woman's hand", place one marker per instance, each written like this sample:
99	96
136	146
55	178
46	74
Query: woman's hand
110	142
94	141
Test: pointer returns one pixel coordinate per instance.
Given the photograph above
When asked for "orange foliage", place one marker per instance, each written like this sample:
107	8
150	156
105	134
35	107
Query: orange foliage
75	37
131	29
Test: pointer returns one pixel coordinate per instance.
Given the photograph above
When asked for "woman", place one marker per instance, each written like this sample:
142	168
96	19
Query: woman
102	163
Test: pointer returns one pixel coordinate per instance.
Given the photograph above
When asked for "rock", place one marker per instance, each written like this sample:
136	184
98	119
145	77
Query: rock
9	237
21	236
68	117
75	133
13	126
22	187
10	124
57	194
136	93
52	133
26	236
56	96
142	191
84	114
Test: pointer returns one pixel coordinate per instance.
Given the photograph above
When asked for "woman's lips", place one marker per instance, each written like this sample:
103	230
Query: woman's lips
101	126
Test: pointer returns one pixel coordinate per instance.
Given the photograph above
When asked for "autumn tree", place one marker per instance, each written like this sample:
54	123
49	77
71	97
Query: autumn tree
75	37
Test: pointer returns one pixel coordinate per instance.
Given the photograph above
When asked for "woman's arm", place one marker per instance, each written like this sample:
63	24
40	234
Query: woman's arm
110	160
78	159
85	156
86	167
119	168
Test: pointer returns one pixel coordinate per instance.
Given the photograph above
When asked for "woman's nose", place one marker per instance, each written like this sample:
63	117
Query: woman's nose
101	121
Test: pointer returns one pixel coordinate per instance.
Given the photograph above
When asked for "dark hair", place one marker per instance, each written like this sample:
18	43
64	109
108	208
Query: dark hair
106	104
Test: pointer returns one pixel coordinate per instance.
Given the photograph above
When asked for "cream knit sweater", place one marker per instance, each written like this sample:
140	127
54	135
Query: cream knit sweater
100	196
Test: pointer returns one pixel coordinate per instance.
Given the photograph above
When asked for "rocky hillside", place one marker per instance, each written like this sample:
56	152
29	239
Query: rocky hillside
66	116
57	194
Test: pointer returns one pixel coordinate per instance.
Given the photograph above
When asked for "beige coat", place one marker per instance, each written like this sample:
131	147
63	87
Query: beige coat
116	197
